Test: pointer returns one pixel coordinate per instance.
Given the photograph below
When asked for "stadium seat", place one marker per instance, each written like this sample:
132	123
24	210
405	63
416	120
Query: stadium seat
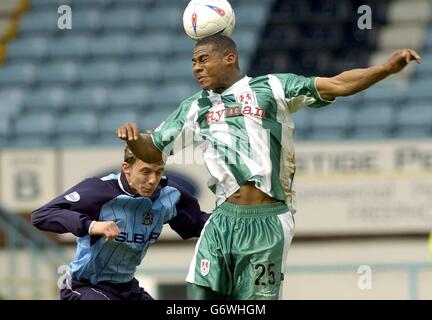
302	119
113	44
170	95
5	127
331	118
182	46
246	41
108	139
42	124
86	98
87	20
47	4
33	47
419	90
428	38
136	97
425	68
178	69
158	44
61	73
385	91
99	71
413	133
327	134
20	74
163	17
40	22
68	140
31	141
77	123
155	119
251	15
109	122
44	99
141	70
415	115
128	19
377	133
374	116
69	46
10	102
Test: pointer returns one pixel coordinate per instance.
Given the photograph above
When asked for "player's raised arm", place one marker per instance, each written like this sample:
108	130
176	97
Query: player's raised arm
353	81
141	144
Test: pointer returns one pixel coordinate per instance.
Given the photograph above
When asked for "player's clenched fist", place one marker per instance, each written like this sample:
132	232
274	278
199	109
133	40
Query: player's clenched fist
129	131
109	229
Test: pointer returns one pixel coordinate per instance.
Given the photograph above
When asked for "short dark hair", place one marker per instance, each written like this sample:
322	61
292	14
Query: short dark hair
129	157
219	42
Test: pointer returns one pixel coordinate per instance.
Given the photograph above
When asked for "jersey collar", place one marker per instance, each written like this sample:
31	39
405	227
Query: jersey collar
242	82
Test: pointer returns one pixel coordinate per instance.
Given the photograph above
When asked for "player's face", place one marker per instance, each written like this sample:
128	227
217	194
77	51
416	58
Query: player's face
209	66
143	178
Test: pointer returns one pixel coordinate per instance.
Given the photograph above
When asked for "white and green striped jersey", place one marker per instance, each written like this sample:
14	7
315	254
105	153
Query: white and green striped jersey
246	132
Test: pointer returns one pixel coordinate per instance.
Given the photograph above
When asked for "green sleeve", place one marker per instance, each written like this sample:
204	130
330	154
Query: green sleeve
301	91
172	128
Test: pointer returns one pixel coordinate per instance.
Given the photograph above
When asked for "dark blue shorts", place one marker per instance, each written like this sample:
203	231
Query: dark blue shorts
83	290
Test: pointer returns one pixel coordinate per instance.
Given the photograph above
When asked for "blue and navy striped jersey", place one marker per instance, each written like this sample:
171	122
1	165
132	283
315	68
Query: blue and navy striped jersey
140	220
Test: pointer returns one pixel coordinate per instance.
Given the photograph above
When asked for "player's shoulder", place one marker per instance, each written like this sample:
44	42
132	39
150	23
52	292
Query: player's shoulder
101	184
186	103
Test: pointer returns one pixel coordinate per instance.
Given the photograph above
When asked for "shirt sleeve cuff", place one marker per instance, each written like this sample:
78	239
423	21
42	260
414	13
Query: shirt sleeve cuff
318	94
90	227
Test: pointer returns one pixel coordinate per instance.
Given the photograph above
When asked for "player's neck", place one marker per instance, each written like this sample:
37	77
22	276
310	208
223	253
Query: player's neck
229	83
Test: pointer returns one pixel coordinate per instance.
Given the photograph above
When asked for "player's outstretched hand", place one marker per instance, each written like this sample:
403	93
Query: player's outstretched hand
400	59
129	131
109	229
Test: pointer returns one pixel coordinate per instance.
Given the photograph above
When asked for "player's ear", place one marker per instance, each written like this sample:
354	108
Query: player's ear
126	167
230	58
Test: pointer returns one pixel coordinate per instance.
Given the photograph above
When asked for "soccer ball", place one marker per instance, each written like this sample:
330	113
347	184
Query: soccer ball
203	18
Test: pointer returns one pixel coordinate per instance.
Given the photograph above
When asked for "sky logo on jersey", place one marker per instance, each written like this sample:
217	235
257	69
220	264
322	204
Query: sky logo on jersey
219	11
194	21
73	197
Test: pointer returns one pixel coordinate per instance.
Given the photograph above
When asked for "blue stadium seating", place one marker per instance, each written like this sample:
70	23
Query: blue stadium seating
81	124
87	20
44	99
39	22
376	116
370	133
111	45
130	97
130	60
141	70
33	47
109	122
10	103
86	98
128	19
41	124
100	71
332	118
415	115
75	46
19	75
62	73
